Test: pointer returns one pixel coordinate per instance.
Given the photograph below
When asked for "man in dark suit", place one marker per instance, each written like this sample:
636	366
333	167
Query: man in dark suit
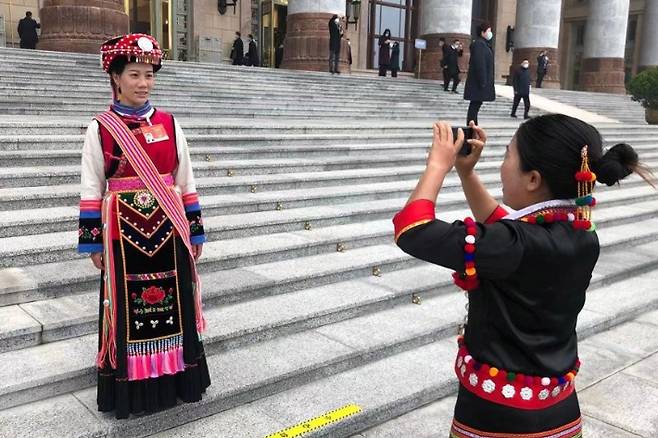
521	83
27	31
252	55
542	67
454	52
335	34
237	52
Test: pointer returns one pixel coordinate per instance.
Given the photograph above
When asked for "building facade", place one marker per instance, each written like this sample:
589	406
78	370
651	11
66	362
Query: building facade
595	45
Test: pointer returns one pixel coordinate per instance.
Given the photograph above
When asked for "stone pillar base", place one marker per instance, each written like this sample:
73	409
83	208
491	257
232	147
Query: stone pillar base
552	79
307	43
74	26
603	75
430	67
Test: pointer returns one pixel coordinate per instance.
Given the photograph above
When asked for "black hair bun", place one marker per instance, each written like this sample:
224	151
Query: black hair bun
616	164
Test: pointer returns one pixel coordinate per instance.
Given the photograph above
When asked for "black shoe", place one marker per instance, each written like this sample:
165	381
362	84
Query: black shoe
526	117
337	72
445	89
455	91
513	116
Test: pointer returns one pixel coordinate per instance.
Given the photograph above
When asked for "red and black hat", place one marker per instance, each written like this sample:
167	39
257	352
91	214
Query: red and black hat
135	47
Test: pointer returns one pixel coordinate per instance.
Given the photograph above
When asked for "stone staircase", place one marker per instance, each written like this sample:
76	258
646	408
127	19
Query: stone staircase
615	106
308	300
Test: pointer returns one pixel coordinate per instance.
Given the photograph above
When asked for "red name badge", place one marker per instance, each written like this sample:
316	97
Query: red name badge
155	133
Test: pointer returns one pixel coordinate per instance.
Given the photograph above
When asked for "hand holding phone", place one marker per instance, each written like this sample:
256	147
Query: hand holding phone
468	134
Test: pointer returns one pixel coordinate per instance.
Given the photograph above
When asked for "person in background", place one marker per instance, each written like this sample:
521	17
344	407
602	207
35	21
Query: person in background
395	59
335	35
442	63
480	81
252	55
278	56
521	84
349	52
454	52
27	31
542	67
384	52
237	52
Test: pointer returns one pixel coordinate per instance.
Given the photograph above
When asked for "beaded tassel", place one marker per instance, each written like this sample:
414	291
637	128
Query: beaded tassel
585	201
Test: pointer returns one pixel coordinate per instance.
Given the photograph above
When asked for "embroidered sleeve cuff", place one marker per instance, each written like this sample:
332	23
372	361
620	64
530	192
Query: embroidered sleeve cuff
198	240
90	230
418	212
90	247
496	215
191	202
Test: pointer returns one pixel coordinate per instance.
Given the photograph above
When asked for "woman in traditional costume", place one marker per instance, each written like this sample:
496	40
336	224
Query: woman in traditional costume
525	268
140	221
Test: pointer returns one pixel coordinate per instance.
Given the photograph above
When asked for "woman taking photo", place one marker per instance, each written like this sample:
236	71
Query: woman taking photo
525	268
140	221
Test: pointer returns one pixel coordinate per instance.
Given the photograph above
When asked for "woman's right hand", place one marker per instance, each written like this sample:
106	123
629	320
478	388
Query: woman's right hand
97	260
466	163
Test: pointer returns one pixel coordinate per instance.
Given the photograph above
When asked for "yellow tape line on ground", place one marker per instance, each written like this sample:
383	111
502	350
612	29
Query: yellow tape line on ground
317	422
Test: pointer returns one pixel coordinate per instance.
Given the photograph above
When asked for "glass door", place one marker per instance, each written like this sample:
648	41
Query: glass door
273	29
153	18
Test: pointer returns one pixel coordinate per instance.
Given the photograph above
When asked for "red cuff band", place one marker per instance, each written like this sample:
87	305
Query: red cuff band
497	215
413	214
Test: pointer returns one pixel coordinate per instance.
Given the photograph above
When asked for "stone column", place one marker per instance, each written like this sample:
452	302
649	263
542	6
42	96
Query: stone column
75	26
649	53
605	42
538	28
307	36
444	19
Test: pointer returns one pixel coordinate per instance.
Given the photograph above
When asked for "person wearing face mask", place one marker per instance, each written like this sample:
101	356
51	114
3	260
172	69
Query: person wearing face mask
521	83
335	34
384	52
454	52
542	67
237	52
480	81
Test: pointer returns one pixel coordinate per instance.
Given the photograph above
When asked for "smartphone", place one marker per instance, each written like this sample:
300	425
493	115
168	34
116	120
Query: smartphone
468	134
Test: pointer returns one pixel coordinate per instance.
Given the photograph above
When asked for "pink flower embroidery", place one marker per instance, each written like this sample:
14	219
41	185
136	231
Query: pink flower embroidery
95	232
80	232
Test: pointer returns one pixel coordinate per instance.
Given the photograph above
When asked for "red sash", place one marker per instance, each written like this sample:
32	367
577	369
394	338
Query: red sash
169	200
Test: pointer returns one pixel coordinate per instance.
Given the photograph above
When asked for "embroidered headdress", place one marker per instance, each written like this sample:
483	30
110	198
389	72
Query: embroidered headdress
135	47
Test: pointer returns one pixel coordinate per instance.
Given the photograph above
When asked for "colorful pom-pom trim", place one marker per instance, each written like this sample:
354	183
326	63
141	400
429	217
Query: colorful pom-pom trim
468	280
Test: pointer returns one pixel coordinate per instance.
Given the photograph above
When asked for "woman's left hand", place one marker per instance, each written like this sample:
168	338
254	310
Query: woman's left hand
196	251
444	148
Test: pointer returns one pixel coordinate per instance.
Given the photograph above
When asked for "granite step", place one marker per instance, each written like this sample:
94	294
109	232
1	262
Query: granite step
321	367
61	245
59	154
55	319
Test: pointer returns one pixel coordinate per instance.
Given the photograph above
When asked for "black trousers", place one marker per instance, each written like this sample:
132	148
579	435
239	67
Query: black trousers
540	78
394	73
334	56
455	82
526	104
473	110
446	78
382	70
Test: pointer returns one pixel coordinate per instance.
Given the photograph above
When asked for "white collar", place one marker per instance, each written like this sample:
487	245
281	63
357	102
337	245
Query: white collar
517	214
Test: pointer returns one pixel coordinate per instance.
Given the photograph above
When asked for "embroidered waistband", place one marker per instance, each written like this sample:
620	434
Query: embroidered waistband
571	430
133	183
509	388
